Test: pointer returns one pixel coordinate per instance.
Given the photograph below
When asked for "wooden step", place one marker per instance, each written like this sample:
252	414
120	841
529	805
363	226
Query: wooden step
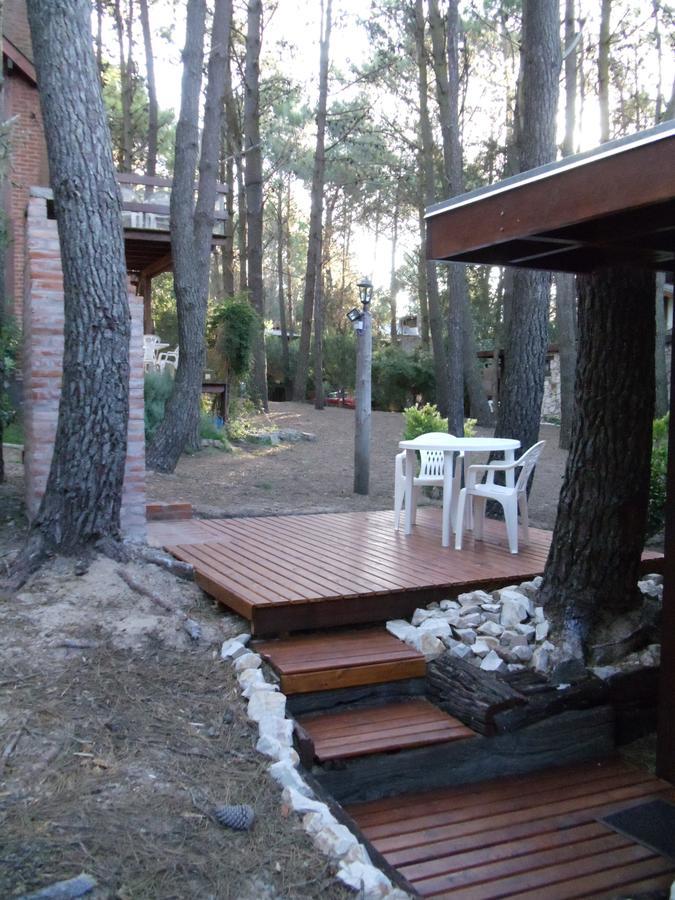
379	729
336	660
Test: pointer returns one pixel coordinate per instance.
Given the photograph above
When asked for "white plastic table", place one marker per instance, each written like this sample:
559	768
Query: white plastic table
450	446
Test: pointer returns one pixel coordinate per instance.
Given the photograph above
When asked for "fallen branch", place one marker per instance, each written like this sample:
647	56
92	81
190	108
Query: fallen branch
193	628
10	746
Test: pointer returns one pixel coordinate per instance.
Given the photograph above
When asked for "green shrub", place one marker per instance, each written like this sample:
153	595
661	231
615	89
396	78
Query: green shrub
422	420
9	349
657	484
393	378
208	430
156	391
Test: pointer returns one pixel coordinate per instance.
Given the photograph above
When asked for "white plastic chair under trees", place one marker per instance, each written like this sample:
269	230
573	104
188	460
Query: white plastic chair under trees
170	358
429	475
513	499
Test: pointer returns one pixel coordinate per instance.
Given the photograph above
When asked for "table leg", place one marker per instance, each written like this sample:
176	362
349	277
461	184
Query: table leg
448	456
410	463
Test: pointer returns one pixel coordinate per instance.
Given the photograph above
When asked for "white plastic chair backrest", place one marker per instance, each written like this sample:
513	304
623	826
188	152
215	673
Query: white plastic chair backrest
432	461
528	461
148	352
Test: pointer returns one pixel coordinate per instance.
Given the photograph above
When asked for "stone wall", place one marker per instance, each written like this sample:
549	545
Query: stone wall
42	370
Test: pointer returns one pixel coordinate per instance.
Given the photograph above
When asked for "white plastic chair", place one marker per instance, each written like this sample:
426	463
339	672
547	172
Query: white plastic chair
512	499
170	358
150	342
429	475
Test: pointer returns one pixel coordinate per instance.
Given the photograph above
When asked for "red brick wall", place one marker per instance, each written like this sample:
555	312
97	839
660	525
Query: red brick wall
28	169
42	371
15	26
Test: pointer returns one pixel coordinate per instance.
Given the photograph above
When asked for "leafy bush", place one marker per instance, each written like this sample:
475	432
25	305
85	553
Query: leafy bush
393	378
9	349
234	322
657	484
157	389
208	430
422	420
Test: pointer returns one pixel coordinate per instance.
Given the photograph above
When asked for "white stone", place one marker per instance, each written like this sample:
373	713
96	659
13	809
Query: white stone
247	661
473	619
449	604
481	647
539	614
401	629
300	803
317	819
605	672
438	627
522	653
264	703
251	680
491	607
466	635
529	588
541	631
476	597
357	854
515	667
491	629
274	749
650	588
427	643
232	648
461	651
420	615
541	659
515	608
512	639
285	774
656	577
491	617
526	630
276	727
335	840
452	617
370	883
492	662
470	609
538	581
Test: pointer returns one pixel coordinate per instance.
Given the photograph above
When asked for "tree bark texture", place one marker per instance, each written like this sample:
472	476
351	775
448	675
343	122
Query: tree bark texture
316	210
603	68
153	109
527	320
83	495
254	194
192	227
285	356
660	373
566	316
592	569
427	167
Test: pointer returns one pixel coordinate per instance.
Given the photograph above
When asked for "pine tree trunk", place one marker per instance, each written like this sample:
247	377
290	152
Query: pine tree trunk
603	69
192	228
153	109
84	489
592	570
285	356
440	352
527	320
254	194
660	373
393	281
316	211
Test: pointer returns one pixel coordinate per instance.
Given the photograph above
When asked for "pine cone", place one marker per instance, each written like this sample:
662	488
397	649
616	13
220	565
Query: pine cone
239	816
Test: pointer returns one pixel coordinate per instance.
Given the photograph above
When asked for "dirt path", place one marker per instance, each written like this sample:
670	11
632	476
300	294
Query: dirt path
318	476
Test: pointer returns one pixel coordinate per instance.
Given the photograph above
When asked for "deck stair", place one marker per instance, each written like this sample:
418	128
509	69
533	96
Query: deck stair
323	662
378	729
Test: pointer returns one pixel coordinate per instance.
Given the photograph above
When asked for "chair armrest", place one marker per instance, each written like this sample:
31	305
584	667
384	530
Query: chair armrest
399	465
490	468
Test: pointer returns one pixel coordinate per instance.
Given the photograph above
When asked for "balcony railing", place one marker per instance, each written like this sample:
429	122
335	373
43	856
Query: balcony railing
145	203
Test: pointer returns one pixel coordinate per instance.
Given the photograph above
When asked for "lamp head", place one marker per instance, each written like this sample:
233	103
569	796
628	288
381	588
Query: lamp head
365	287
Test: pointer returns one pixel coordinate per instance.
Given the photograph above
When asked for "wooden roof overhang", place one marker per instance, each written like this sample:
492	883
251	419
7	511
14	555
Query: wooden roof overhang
614	204
148	251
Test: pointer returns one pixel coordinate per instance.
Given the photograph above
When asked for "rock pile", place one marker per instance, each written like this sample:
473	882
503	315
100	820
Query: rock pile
502	631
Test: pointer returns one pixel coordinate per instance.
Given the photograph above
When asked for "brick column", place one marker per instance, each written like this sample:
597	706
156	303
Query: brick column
42	370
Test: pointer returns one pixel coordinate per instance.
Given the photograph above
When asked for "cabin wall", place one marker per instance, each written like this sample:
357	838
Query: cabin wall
42	371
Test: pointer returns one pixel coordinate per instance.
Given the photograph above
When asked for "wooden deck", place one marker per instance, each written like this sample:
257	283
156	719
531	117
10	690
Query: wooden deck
535	836
291	573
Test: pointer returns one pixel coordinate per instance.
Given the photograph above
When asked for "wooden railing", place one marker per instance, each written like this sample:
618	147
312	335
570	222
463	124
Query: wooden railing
145	203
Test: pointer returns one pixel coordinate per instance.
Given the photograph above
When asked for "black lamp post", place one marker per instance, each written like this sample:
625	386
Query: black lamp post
364	353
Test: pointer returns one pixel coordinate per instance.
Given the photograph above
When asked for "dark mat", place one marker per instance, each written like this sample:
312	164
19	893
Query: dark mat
651	824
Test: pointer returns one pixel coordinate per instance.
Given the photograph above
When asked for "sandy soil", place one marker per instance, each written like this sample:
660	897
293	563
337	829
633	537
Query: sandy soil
318	476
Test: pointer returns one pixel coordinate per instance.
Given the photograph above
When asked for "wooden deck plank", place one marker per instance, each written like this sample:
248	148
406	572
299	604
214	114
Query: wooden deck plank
531	837
381	729
290	573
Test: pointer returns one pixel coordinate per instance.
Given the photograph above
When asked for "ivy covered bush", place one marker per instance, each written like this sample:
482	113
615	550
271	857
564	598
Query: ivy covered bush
424	419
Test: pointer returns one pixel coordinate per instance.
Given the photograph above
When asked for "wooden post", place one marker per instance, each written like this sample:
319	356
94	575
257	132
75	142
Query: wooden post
364	357
665	746
146	290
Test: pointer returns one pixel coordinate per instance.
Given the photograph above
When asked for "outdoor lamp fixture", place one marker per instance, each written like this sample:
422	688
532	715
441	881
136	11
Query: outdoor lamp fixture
354	315
365	287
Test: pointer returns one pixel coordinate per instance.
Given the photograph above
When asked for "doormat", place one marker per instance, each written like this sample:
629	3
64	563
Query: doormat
651	824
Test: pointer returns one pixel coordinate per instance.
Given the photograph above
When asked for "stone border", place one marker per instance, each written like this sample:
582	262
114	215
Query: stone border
267	707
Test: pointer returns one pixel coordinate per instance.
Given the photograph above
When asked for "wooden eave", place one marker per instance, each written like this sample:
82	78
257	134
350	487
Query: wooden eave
148	251
19	59
615	204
